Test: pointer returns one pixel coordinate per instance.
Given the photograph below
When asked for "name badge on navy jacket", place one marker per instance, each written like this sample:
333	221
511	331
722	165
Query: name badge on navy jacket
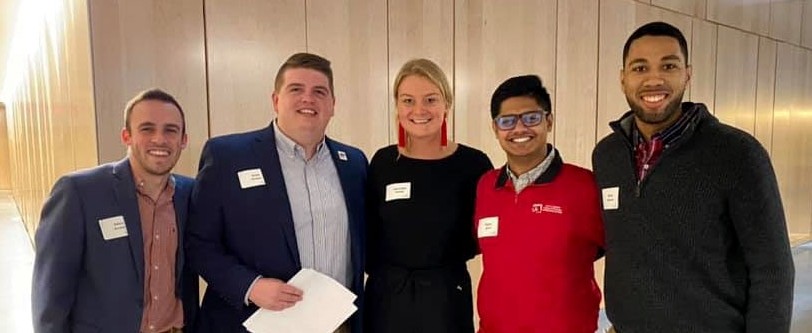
251	178
113	227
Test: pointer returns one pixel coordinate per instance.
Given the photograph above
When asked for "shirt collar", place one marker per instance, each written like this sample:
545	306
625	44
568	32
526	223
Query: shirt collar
546	174
170	185
287	146
671	133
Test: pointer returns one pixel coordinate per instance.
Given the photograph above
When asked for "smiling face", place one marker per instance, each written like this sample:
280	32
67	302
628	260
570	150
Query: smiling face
654	78
421	107
155	138
522	142
304	104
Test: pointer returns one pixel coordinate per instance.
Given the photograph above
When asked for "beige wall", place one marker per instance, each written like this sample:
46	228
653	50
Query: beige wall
5	165
142	44
51	119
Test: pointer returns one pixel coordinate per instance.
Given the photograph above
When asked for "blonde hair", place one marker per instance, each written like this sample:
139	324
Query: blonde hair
429	70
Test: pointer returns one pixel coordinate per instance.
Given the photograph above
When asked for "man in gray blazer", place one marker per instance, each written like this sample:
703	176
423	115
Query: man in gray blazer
109	247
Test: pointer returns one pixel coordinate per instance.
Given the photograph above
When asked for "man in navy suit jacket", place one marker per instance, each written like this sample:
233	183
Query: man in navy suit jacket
270	202
109	244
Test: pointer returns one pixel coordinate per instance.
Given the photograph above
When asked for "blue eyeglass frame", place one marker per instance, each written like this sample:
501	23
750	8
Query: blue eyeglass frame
528	119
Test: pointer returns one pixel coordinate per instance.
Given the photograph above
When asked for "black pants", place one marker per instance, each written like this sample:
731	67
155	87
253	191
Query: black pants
398	300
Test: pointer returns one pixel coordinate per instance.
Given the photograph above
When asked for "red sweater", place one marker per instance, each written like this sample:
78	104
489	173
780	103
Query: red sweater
538	248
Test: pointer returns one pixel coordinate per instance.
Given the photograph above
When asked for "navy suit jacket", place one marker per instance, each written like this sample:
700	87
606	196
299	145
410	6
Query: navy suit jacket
83	283
238	234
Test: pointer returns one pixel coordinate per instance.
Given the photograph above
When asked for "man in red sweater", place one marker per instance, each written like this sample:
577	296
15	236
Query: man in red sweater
538	223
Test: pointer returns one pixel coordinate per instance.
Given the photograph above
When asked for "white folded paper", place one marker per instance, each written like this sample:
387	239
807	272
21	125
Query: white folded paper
325	305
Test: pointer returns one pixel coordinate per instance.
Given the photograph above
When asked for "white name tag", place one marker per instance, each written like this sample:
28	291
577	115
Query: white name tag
113	227
611	200
251	178
488	227
398	191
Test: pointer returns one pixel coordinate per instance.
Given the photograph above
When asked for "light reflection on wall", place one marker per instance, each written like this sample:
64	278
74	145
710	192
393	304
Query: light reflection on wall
49	98
33	19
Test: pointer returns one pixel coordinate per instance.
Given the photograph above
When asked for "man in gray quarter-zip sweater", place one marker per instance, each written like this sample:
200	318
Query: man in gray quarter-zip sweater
696	237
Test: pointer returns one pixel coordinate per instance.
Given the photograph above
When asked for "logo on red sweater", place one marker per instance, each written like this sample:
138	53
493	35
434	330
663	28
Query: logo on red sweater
542	208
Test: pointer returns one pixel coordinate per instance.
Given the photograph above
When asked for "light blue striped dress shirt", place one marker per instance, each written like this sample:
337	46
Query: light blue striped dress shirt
319	210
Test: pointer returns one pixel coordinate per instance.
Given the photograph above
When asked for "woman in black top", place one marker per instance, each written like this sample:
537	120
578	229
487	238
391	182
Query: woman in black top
421	202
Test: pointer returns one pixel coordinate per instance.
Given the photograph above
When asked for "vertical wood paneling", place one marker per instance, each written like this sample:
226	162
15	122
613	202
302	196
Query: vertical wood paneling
791	140
615	24
803	223
486	31
703	61
352	35
785	23
806	30
736	78
5	154
143	44
50	115
81	104
421	29
765	92
690	7
753	16
246	44
577	80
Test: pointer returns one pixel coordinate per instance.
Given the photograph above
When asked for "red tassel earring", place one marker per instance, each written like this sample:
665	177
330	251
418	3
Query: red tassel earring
444	134
401	137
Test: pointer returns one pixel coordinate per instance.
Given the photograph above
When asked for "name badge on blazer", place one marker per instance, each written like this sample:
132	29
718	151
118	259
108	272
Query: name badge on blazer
113	227
251	178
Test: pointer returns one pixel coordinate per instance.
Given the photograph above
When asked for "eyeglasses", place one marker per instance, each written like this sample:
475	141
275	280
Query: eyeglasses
529	119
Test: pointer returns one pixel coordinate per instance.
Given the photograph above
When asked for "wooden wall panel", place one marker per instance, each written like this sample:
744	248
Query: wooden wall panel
806	29
753	16
81	104
785	22
791	140
703	60
616	23
736	78
5	154
352	34
577	80
421	29
246	44
765	92
695	8
142	44
51	127
487	31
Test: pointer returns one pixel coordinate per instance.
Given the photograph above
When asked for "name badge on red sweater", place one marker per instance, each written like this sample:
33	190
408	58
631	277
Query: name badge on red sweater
488	227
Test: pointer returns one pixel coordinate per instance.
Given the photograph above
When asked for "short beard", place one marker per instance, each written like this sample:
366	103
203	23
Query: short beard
655	119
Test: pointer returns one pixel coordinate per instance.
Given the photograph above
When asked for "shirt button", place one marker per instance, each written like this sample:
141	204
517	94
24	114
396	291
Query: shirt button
157	236
155	267
155	297
151	327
